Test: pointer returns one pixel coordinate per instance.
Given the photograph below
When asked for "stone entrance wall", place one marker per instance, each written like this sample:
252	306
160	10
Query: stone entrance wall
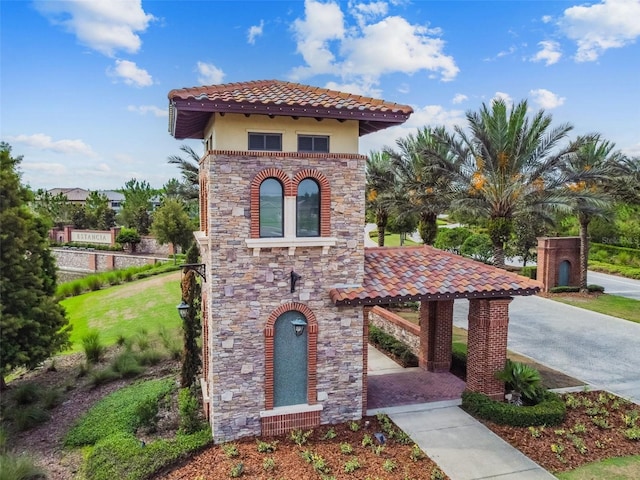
552	251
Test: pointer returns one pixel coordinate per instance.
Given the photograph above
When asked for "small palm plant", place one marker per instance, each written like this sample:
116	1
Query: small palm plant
523	381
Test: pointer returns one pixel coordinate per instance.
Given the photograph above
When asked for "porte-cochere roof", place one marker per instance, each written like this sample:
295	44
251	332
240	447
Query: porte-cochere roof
406	274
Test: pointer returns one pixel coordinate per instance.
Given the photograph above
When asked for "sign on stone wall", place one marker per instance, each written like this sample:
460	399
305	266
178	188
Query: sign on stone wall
86	236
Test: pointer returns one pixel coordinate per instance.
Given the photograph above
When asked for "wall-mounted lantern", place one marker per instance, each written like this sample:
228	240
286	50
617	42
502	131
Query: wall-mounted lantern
294	278
298	325
183	310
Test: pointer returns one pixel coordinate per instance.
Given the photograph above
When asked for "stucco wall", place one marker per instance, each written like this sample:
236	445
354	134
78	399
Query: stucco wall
231	131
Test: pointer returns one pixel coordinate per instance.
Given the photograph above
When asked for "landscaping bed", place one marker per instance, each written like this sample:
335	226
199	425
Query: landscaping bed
597	426
343	451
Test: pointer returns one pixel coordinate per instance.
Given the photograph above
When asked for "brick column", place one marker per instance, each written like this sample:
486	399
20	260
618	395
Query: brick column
365	358
436	324
443	333
487	345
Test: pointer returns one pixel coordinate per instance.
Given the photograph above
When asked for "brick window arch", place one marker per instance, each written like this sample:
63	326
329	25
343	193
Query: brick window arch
312	351
287	188
325	196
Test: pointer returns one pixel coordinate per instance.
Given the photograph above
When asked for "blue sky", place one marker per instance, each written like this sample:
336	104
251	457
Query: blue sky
84	84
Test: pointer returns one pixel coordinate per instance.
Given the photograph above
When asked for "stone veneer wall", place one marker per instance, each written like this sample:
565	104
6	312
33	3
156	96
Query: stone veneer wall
84	260
244	289
397	327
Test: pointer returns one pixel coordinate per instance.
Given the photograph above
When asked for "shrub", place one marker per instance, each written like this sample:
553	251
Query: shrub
126	365
147	413
19	467
149	357
531	272
26	394
28	417
102	376
521	378
267	447
188	409
550	411
93	347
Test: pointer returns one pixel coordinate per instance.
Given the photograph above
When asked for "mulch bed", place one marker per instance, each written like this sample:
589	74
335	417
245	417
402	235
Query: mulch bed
289	463
578	440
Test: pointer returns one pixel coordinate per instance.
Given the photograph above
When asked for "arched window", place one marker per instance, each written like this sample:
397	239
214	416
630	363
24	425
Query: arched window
271	208
308	209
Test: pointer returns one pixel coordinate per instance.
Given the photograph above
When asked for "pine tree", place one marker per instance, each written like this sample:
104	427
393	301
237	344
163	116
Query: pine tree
191	294
33	325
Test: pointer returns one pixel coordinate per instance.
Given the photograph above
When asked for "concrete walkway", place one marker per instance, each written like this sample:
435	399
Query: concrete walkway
461	446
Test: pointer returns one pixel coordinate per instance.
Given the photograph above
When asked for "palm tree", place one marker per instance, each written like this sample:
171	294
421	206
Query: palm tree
380	180
508	164
591	169
423	189
189	168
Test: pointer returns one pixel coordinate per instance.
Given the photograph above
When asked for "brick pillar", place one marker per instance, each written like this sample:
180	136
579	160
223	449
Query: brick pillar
425	324
487	345
111	262
436	325
115	231
67	233
365	358
442	338
93	262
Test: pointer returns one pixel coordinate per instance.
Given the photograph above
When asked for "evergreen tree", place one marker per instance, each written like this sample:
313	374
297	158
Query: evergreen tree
171	224
191	294
33	325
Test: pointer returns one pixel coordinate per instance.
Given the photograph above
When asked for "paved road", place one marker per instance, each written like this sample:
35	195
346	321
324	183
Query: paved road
623	287
601	350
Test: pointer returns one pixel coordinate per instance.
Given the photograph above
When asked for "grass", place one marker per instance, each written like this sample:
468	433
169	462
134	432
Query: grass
619	468
621	307
393	240
124	310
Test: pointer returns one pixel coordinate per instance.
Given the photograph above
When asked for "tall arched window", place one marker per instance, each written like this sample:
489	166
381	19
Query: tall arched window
290	361
308	209
271	208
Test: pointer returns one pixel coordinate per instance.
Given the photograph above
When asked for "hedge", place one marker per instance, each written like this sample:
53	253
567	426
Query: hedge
550	411
569	289
391	345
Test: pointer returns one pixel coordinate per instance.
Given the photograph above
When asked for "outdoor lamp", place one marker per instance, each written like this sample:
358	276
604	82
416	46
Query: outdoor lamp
298	326
183	310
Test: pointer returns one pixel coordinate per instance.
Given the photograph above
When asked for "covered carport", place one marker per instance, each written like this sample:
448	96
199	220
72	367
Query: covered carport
436	279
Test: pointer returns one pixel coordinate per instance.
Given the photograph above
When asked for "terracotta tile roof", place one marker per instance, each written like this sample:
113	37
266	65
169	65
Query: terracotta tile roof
276	97
426	273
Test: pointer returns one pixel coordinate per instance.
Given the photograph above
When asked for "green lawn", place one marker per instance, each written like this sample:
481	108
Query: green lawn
393	240
125	309
620	307
621	468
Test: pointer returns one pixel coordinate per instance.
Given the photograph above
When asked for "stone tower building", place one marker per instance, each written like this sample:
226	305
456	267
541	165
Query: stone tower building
281	225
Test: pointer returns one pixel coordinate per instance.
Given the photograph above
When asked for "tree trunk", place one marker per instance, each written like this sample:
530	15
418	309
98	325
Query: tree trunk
498	254
584	252
382	226
428	227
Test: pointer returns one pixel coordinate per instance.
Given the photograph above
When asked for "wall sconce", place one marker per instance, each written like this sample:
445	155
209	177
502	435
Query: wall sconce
294	278
298	326
183	310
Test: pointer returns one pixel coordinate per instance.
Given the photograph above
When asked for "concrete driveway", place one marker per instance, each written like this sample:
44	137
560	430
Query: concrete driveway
601	350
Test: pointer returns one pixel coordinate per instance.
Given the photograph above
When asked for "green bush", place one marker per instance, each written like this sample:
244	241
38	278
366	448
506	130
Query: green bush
19	467
122	456
531	272
126	365
523	379
102	376
390	344
573	289
188	408
93	347
25	418
116	413
25	394
550	411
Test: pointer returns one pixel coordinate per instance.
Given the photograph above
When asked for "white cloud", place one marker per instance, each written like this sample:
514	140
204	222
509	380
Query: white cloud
597	28
255	31
367	12
429	115
323	23
47	168
505	97
40	141
363	52
459	98
103	25
130	73
547	19
209	74
504	53
549	52
152	109
546	99
356	88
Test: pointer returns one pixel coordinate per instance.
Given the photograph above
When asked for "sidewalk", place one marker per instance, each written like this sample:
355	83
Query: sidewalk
461	446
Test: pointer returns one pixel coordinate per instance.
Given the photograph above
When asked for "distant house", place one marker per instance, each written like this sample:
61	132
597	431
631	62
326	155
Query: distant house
289	282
